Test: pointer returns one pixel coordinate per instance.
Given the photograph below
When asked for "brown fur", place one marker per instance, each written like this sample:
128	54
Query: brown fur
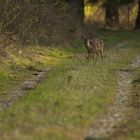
94	46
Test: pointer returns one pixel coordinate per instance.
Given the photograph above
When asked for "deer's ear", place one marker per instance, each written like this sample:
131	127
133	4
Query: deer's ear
83	36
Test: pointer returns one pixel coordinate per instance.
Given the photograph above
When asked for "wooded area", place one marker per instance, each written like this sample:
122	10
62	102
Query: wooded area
69	69
44	21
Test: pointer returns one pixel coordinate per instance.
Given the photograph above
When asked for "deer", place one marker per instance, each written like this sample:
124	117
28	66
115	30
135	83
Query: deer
94	46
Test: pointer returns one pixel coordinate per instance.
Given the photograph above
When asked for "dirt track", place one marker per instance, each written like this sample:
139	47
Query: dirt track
107	122
24	88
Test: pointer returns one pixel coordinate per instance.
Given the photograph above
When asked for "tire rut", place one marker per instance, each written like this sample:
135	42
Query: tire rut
106	123
24	88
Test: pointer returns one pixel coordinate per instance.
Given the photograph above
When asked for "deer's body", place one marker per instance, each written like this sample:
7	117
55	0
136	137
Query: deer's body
94	46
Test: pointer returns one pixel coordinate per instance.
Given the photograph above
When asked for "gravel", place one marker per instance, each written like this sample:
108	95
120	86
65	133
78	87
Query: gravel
106	123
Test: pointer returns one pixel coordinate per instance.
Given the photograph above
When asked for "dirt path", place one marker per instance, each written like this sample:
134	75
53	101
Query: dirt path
106	123
25	86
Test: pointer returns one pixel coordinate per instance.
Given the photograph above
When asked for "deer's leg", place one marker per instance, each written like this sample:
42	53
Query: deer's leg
88	55
93	55
97	55
101	54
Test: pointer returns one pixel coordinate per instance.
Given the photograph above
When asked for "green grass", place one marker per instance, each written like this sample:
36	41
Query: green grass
63	106
14	67
119	36
9	79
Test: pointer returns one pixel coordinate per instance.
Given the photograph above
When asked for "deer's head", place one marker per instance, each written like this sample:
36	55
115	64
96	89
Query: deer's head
84	37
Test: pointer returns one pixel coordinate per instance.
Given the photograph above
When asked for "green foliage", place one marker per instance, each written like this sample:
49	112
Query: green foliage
126	1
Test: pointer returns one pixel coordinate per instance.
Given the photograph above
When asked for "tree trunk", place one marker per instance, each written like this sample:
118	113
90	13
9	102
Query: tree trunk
112	15
78	8
138	18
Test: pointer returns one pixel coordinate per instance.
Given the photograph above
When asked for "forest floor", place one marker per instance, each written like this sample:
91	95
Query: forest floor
70	100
